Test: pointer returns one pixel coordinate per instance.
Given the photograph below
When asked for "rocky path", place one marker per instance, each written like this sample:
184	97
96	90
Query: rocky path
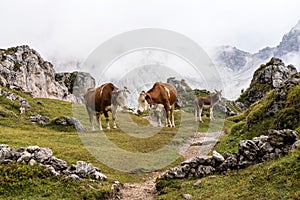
200	144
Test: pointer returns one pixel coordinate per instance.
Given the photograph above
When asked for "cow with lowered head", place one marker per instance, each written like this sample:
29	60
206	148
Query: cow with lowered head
166	94
103	99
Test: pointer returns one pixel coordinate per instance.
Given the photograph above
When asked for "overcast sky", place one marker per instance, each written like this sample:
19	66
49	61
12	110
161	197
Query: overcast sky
75	28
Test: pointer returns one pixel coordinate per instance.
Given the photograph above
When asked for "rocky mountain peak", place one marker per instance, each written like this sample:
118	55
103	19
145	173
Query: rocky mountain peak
290	42
231	57
268	76
24	69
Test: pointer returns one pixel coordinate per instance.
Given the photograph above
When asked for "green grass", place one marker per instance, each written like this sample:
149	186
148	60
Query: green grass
19	181
142	139
277	179
17	131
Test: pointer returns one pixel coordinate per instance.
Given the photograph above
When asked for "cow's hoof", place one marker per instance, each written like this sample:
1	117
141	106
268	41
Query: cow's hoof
114	127
108	128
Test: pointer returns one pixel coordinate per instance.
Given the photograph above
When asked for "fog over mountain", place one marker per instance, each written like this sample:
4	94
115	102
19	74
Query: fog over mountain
237	66
66	33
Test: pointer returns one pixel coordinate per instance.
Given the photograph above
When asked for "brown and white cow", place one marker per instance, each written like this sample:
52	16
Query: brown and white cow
102	99
142	103
166	94
207	102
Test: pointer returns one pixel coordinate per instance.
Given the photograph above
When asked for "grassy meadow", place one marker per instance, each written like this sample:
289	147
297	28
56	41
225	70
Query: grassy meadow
140	147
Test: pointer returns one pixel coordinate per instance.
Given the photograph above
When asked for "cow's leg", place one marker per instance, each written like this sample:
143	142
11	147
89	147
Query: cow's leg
168	114
91	118
158	116
196	111
114	115
107	120
98	118
200	113
173	119
211	114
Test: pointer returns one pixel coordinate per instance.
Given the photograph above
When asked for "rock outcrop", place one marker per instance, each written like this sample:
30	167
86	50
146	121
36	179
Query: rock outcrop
185	93
24	69
70	121
250	152
44	156
269	76
77	83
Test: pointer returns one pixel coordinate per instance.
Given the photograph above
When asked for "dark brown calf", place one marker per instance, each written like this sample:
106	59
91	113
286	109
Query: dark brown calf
206	102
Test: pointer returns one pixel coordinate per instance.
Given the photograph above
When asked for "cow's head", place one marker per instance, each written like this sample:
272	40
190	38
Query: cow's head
219	95
148	98
119	97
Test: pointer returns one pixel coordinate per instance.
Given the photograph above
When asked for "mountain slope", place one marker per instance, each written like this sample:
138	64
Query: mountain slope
237	66
24	69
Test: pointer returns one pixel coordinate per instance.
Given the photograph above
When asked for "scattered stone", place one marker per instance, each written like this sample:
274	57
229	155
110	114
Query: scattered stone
218	157
33	155
57	164
295	145
187	196
84	169
74	177
250	152
198	182
32	162
70	121
32	149
25	157
43	154
43	120
279	138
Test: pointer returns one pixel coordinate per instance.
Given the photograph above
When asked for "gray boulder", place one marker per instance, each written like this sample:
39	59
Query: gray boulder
43	154
84	169
70	121
25	157
57	164
280	138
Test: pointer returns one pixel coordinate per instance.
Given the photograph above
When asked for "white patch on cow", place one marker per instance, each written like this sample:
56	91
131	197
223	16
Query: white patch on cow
168	91
101	91
108	108
206	106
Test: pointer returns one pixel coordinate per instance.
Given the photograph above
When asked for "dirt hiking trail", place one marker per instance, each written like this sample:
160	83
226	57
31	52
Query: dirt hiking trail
199	145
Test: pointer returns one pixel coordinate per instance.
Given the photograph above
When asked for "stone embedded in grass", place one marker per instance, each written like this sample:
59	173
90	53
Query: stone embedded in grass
84	169
32	162
218	157
57	163
25	157
32	149
43	154
70	121
33	155
250	152
43	120
187	196
279	138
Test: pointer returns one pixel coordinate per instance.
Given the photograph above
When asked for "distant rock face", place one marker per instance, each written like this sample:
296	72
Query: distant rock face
269	76
237	66
24	69
232	58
